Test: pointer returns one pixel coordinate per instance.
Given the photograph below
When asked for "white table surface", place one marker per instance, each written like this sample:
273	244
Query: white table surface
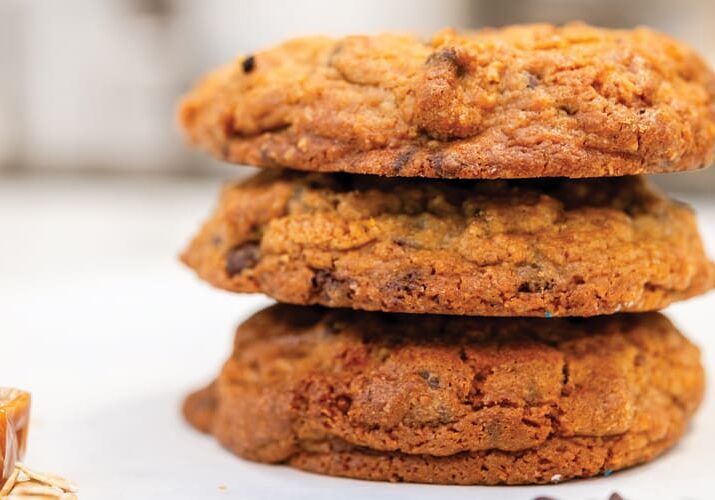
108	331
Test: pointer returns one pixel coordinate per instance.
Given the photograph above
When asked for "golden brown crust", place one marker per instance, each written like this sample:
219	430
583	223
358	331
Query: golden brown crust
523	101
452	399
489	248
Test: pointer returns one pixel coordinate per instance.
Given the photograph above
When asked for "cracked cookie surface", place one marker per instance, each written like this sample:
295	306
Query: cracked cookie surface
523	101
548	247
450	399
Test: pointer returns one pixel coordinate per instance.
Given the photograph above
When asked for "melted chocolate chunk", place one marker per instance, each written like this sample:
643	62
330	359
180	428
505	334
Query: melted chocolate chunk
343	403
327	285
243	257
249	64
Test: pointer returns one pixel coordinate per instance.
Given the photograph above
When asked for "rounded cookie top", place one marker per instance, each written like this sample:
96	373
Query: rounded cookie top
523	101
571	397
547	247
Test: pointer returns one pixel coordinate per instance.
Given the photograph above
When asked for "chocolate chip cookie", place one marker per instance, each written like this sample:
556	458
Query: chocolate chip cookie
523	101
446	399
545	247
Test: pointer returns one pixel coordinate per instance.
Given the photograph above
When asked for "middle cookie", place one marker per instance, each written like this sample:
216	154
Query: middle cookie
547	247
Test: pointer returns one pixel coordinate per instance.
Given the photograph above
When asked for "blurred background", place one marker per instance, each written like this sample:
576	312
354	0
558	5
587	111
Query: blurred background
91	85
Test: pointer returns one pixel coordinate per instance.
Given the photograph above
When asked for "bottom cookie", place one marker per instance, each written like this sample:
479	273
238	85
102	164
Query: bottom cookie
452	400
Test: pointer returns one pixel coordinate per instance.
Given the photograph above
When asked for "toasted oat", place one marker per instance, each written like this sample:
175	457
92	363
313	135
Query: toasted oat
25	484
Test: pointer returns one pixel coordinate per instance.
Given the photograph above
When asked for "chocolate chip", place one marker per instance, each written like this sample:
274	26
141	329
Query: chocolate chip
330	287
343	403
402	160
249	64
410	283
532	81
243	257
535	286
535	278
320	278
432	380
570	111
478	381
544	498
449	55
565	376
615	496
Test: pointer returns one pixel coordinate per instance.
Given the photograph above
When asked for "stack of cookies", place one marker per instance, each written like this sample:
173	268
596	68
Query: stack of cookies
467	258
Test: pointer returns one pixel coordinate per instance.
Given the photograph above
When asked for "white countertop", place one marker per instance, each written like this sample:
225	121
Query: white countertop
108	331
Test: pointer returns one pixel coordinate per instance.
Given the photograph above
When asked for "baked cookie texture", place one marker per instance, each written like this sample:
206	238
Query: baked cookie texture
548	247
448	399
522	101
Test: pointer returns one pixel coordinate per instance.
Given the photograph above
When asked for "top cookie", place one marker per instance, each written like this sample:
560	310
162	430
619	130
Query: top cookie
523	101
